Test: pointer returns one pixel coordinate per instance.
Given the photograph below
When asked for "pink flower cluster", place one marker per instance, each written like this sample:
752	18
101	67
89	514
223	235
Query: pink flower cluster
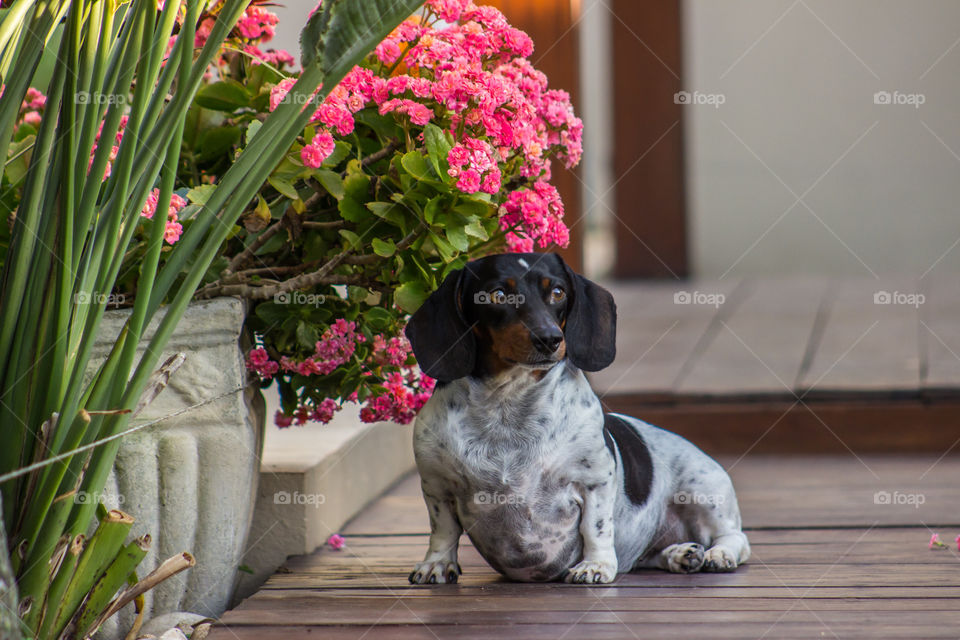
114	148
257	23
405	389
33	103
465	68
534	213
407	392
174	228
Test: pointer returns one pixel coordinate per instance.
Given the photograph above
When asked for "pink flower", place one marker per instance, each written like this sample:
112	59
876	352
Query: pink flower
336	541
281	420
279	92
258	361
935	542
319	149
387	51
257	23
174	228
323	413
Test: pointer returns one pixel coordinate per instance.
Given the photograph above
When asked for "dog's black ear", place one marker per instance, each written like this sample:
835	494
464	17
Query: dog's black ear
441	339
591	326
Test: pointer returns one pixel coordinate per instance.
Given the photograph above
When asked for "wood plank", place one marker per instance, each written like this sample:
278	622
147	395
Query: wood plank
873	424
836	491
301	613
940	335
656	335
867	346
394	576
783	631
761	345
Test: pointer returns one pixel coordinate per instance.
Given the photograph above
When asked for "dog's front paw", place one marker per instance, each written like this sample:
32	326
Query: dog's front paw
591	572
719	560
686	557
435	572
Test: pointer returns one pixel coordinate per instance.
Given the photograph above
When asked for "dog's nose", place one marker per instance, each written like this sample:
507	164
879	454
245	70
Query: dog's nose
547	341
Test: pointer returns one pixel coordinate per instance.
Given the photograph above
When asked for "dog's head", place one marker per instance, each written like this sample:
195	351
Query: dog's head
513	310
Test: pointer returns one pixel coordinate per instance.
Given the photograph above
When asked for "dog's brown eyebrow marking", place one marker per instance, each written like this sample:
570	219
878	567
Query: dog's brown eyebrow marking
511	283
545	283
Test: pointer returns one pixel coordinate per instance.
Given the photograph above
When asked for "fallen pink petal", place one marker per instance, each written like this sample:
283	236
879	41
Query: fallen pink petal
336	541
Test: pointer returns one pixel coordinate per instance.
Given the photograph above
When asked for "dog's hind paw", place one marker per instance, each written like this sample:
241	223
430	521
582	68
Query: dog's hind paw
591	572
685	557
435	573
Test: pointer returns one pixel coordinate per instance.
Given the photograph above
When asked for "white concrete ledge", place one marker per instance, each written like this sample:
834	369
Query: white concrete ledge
313	479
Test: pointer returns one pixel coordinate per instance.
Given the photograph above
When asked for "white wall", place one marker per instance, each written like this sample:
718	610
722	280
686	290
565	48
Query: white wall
798	80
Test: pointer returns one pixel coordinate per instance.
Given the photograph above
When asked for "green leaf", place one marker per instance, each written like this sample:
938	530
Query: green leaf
199	195
284	187
352	210
411	295
384	248
331	181
357	185
437	148
445	249
252	129
473	208
416	165
307	335
352	239
228	95
377	318
431	209
217	142
457	238
341	33
340	151
475	229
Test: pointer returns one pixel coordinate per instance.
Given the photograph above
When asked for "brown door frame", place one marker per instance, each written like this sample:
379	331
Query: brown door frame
552	24
650	206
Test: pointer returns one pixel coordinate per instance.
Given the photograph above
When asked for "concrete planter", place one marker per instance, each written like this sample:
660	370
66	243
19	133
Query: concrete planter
191	480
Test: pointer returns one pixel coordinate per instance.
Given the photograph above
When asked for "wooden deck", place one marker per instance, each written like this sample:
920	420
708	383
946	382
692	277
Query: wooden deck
839	420
829	561
799	365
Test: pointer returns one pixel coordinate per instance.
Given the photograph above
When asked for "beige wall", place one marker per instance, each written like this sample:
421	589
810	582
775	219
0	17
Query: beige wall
879	189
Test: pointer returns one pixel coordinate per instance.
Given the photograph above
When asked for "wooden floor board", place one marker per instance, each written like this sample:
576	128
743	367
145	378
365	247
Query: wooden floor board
827	561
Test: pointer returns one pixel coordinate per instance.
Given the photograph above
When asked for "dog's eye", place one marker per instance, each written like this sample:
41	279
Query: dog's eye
557	294
497	296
